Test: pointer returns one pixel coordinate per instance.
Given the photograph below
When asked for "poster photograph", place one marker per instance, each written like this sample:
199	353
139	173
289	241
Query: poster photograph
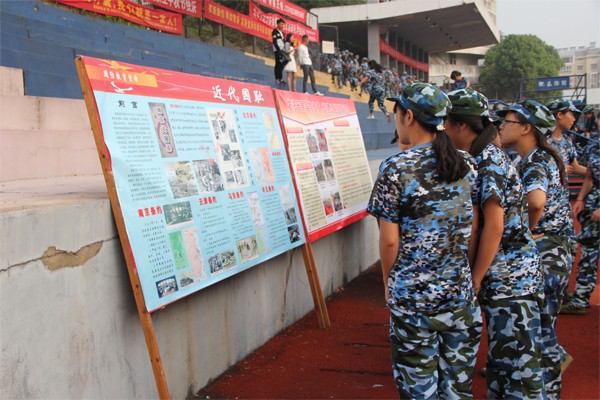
201	176
328	159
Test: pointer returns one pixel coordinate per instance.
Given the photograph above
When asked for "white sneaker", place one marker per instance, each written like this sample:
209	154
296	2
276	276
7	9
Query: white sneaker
318	94
371	117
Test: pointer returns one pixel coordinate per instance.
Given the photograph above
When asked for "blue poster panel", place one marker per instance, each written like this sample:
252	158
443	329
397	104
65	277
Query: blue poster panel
201	174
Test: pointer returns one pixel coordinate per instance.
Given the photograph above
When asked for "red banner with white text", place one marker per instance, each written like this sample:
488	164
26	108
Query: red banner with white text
189	7
157	19
286	8
386	48
290	27
233	19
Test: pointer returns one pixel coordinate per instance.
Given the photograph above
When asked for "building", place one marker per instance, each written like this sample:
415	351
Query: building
405	34
583	60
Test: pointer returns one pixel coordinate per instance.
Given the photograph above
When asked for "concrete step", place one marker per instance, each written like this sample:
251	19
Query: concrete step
52	85
34	154
11	83
43	113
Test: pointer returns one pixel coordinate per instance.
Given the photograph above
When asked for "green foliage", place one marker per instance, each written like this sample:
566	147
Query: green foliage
518	57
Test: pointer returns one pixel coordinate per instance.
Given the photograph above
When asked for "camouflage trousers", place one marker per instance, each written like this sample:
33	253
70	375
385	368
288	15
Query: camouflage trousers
513	365
434	356
556	259
590	253
378	94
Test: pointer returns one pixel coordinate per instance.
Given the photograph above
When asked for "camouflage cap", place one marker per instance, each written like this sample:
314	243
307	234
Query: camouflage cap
562	105
429	104
469	102
588	110
535	113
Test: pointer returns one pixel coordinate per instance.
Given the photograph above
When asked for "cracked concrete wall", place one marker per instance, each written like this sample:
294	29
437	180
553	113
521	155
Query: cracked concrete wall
68	321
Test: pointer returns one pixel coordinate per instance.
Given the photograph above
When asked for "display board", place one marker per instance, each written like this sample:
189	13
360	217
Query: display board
328	158
200	172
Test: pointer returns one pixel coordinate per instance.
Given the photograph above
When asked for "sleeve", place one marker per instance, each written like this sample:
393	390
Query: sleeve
385	199
286	47
491	181
535	177
572	152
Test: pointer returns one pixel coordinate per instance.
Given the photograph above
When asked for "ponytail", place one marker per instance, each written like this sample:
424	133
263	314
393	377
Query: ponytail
451	166
482	126
543	144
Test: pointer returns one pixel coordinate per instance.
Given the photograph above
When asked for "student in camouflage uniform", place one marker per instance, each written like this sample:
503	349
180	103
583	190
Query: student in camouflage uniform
375	77
565	113
543	174
422	198
587	210
506	264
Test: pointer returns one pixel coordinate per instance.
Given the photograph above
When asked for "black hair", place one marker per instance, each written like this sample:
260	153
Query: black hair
375	65
288	37
304	37
280	20
482	126
454	75
451	165
543	144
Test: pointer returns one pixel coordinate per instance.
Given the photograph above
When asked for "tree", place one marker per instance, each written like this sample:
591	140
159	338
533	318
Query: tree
517	57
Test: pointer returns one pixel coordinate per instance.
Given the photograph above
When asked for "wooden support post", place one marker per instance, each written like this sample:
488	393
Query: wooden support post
315	286
145	317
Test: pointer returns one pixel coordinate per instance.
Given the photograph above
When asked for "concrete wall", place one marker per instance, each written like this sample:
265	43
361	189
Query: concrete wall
68	322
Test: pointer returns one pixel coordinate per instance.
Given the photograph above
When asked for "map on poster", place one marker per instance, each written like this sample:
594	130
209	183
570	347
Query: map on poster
328	158
201	175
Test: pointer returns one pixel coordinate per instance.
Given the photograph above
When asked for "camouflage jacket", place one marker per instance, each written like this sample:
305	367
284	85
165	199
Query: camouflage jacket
516	270
431	273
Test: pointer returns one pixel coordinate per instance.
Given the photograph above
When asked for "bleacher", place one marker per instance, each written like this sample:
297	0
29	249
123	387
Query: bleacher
43	40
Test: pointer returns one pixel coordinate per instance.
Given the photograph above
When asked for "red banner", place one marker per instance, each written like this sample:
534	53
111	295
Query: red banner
386	48
292	27
189	7
157	19
286	8
233	19
130	79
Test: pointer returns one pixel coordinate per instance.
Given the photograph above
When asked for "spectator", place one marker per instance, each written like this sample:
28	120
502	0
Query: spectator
290	68
306	65
460	82
278	44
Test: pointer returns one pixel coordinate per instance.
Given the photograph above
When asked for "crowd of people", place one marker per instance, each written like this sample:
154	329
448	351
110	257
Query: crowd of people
462	226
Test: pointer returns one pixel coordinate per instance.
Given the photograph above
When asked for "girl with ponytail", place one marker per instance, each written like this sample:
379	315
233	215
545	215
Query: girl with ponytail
506	265
422	198
543	175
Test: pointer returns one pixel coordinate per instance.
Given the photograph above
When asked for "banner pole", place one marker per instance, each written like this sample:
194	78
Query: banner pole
144	315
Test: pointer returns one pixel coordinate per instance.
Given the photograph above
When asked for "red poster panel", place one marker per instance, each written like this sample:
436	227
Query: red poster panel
286	8
189	7
328	160
290	27
386	48
226	16
157	19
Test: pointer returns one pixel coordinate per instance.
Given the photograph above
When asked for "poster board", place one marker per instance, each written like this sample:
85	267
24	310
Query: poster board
328	159
199	171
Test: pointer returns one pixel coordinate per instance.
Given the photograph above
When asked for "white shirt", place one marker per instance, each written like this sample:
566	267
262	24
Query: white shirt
303	56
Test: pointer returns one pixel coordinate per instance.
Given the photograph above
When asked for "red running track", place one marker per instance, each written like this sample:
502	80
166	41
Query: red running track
351	360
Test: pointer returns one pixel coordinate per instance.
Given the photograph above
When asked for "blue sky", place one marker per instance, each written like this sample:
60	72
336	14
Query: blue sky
561	23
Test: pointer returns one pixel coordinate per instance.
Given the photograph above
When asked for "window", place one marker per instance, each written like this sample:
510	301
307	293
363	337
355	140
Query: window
566	68
580	68
594	67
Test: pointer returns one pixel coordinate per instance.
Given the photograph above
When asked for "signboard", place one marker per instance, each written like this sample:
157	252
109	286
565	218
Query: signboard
296	28
157	19
233	19
328	159
386	48
189	7
286	8
200	172
555	83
